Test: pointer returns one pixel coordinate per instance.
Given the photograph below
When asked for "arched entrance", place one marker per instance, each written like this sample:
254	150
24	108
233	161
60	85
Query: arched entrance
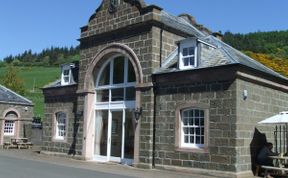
110	99
114	106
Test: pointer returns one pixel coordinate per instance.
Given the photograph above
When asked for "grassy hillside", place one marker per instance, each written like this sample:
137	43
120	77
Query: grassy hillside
34	78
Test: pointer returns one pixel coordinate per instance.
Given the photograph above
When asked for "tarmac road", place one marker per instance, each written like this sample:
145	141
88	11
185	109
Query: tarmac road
25	163
20	168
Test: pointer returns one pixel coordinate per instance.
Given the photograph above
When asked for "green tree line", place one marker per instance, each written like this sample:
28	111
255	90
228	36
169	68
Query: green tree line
274	43
48	57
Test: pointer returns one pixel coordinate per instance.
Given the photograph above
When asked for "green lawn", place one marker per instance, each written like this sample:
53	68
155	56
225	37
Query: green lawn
34	79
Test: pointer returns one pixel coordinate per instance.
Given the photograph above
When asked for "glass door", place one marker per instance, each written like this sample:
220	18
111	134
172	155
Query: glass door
114	136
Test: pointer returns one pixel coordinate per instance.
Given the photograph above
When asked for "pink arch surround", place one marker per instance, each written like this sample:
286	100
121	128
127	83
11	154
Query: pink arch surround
11	110
106	52
89	93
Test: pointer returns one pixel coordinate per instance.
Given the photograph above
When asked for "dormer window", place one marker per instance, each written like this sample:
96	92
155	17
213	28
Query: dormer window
188	54
66	75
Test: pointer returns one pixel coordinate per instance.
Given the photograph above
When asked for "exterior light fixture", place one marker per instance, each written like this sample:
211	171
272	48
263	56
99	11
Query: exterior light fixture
137	113
245	94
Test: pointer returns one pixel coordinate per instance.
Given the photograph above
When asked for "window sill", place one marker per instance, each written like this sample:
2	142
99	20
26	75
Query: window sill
59	140
192	150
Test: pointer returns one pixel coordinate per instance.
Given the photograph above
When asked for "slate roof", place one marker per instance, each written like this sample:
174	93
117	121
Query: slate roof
10	97
222	55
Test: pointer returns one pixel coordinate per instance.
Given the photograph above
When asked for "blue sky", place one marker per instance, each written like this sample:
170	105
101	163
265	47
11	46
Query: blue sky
36	24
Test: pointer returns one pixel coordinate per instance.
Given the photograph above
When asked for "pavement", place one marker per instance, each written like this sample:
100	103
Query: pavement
111	168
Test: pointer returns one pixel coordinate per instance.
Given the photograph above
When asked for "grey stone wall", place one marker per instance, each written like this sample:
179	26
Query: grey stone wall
221	99
261	103
72	144
146	45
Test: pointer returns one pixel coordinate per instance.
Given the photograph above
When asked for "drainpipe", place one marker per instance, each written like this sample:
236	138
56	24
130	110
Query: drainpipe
154	123
161	46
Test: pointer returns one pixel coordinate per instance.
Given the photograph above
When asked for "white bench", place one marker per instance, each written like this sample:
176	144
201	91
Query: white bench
281	170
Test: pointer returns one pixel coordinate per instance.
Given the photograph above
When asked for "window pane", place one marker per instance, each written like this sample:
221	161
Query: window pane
186	139
202	139
185	121
192	131
129	135
186	114
197	131
186	61
202	121
117	94
66	72
131	73
118	73
191	51
105	76
196	113
185	130
185	51
198	141
130	93
191	139
101	133
197	121
190	121
102	96
66	79
192	61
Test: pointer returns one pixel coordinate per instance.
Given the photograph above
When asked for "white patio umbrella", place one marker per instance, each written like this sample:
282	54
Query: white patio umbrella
281	118
278	119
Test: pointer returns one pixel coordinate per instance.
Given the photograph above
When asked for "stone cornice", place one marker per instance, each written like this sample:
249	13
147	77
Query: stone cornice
262	81
126	32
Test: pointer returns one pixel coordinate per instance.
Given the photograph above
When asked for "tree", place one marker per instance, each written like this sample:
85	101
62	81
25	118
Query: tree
12	81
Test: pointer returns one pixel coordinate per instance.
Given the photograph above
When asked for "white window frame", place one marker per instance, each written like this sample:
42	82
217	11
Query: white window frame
9	128
60	134
63	76
125	85
192	126
189	43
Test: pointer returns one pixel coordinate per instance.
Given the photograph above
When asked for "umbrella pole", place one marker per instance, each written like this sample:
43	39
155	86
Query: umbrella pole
275	137
280	139
286	138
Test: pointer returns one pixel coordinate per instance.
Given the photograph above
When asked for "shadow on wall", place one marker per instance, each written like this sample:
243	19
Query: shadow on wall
72	150
258	141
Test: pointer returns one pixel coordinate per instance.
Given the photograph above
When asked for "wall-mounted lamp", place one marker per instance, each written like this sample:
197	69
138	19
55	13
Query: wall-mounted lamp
137	114
245	94
26	108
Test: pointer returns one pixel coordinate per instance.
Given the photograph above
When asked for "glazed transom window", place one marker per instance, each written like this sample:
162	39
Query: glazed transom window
60	126
116	81
9	127
192	128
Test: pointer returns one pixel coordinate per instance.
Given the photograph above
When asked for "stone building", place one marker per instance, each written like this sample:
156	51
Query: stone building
16	114
159	91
